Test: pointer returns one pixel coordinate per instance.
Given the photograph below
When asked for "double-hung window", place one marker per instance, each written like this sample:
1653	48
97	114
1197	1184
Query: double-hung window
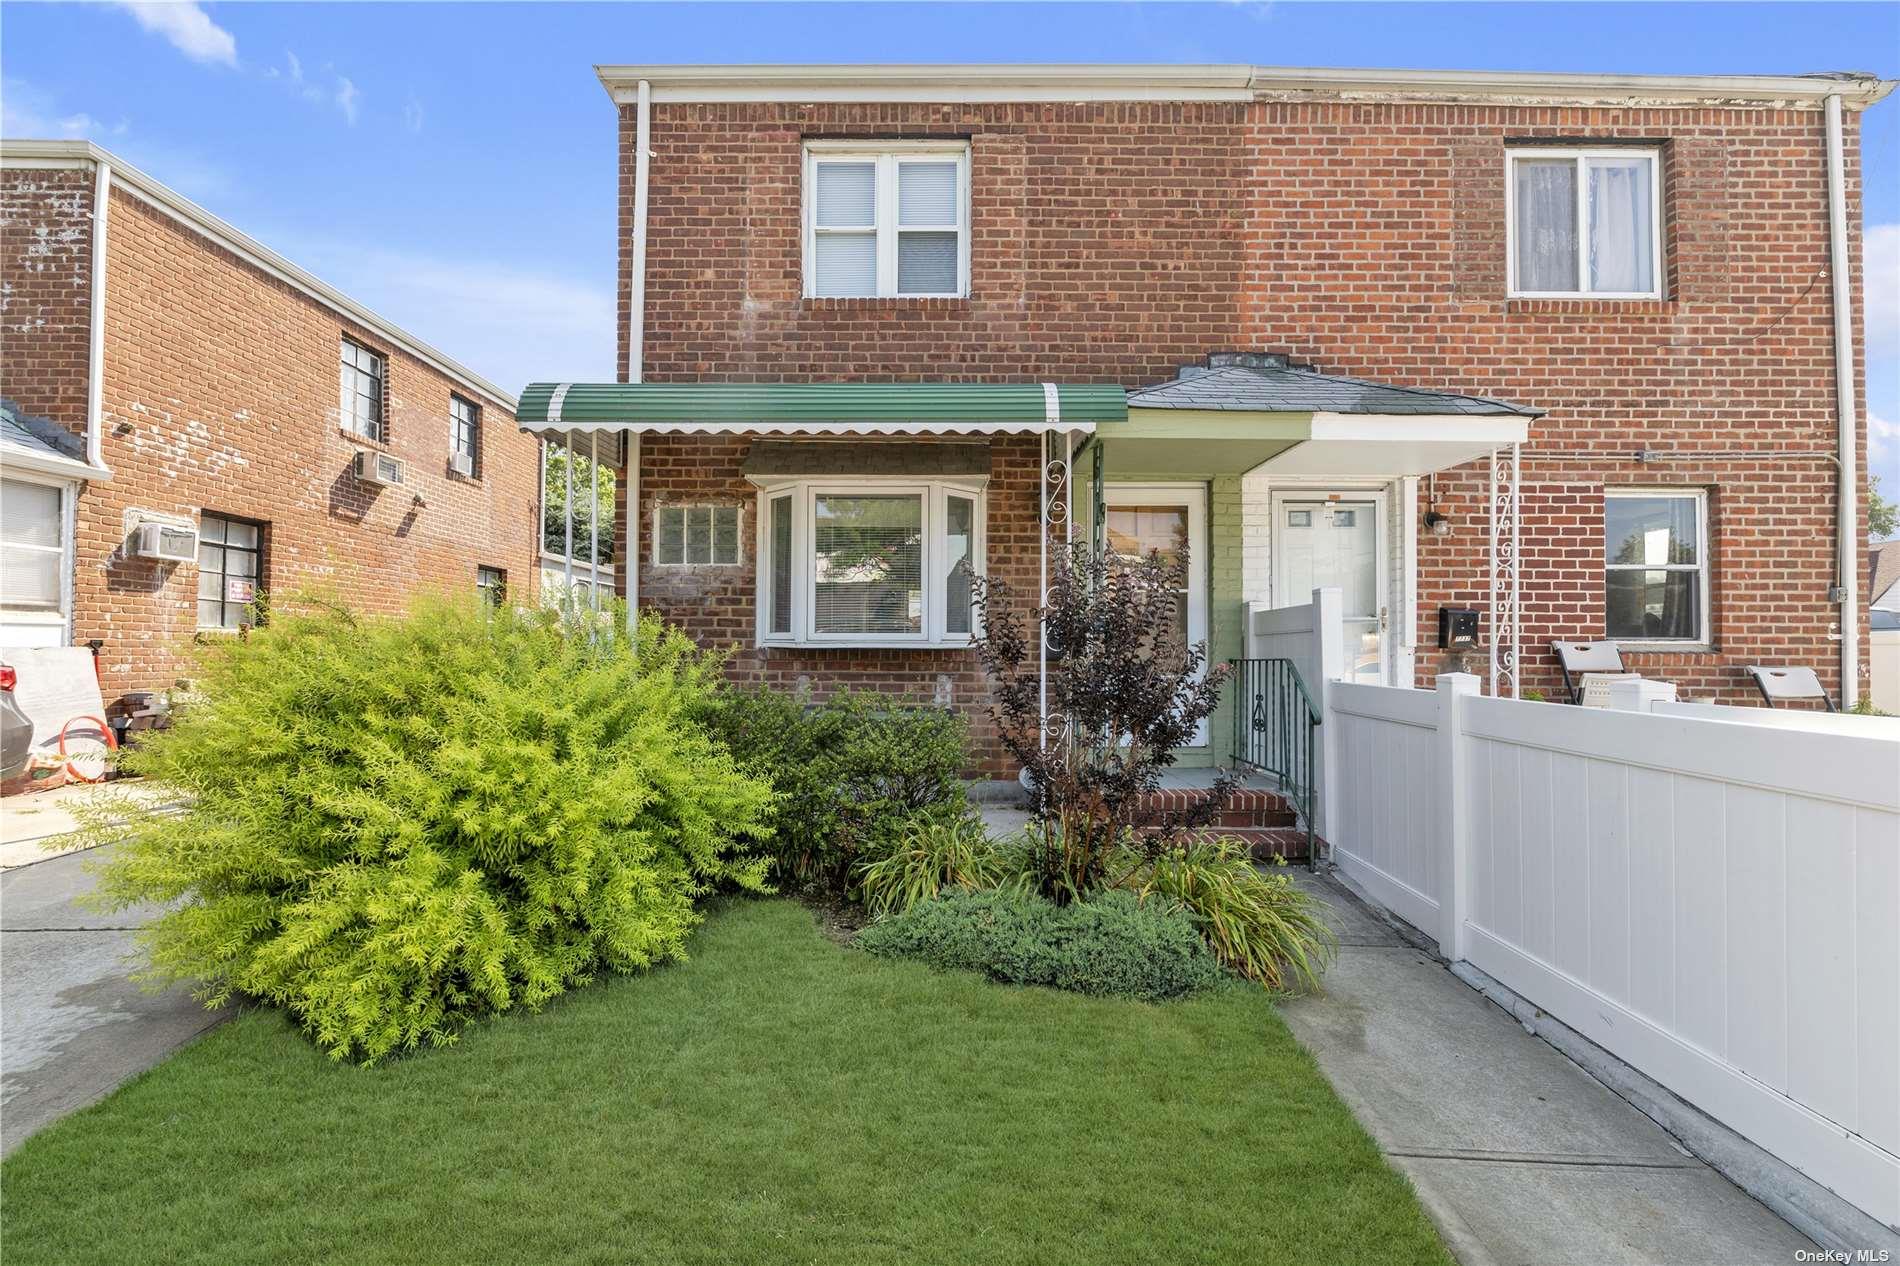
1585	222
465	435
887	222
868	563
1656	566
360	391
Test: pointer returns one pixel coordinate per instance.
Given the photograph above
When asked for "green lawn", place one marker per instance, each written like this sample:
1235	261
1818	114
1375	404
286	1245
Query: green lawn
778	1099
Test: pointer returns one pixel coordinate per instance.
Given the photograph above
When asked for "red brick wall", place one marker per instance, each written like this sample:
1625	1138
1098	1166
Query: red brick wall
1115	241
46	301
221	394
717	605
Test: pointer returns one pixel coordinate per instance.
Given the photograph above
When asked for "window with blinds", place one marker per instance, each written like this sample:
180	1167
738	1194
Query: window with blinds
886	223
32	544
870	563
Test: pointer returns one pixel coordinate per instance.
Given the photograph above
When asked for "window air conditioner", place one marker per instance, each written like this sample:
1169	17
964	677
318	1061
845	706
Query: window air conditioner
166	541
379	468
462	464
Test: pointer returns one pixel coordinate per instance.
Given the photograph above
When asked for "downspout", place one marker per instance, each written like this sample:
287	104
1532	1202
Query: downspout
96	350
1848	515
636	343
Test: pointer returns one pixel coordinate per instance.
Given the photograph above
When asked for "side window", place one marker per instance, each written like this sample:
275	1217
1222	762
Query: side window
465	437
696	536
1656	566
361	378
492	584
230	570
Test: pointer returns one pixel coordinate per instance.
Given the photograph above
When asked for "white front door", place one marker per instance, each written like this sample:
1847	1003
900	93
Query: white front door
1143	519
1322	541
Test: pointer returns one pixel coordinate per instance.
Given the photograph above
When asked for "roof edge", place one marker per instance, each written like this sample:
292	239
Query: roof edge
24	153
1027	81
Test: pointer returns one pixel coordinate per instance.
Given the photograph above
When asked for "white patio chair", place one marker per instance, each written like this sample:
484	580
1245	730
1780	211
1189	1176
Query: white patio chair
1787	685
1578	658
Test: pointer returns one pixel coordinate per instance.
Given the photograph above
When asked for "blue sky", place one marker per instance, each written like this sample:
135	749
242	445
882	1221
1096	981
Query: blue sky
452	165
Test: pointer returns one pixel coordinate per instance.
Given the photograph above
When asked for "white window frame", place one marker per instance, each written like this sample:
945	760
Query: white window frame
1580	156
804	494
58	617
738	527
888	157
1704	564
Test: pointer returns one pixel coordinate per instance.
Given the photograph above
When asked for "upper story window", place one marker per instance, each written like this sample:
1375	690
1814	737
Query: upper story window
1656	566
465	436
886	221
1585	222
360	391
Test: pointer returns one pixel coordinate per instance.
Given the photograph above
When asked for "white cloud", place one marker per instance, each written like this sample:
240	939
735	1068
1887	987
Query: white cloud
1883	440
340	92
188	27
412	114
27	112
1881	270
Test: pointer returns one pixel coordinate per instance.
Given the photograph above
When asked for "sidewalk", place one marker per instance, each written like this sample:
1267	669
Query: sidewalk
1518	1155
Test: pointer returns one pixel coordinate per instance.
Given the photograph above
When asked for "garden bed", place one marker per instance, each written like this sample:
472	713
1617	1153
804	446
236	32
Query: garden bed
776	1098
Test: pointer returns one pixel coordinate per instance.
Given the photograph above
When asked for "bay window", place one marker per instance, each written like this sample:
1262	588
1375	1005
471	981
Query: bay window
1584	222
1656	566
886	222
868	563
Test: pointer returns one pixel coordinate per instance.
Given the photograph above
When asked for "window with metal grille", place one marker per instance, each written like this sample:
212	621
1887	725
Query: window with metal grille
360	391
230	570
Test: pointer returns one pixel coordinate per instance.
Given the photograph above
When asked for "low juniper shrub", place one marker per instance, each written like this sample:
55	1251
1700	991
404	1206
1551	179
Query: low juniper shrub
1109	944
396	826
851	774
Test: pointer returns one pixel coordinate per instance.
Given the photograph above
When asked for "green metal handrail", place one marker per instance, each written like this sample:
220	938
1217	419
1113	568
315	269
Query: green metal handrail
1275	724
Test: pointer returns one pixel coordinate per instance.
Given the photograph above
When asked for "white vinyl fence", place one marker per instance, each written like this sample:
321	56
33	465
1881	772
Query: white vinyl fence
1717	903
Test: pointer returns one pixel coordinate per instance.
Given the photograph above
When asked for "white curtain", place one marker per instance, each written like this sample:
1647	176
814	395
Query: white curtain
1546	198
1620	230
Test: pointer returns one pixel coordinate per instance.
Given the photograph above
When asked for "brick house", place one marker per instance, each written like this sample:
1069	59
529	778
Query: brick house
1381	330
185	416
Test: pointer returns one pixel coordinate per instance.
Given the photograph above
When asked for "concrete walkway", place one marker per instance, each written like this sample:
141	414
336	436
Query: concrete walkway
1518	1155
74	1026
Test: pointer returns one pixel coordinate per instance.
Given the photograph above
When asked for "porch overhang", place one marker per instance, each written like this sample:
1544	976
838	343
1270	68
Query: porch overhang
564	411
1200	443
1373	446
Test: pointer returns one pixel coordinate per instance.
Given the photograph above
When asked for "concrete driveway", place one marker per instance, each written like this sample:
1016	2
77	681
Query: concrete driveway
73	1025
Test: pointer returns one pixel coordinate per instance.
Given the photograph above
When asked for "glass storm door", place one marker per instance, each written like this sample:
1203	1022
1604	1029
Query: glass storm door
1168	520
1322	543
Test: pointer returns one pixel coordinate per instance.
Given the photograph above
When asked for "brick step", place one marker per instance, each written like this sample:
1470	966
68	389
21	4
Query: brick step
1266	843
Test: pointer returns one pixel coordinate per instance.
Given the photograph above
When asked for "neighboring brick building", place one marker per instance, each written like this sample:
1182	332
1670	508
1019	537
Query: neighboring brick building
234	395
1639	266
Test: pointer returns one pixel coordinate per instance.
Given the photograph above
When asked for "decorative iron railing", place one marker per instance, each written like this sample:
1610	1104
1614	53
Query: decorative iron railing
1275	733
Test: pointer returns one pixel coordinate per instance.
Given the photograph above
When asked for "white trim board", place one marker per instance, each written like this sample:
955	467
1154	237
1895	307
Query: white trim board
1083	82
35	154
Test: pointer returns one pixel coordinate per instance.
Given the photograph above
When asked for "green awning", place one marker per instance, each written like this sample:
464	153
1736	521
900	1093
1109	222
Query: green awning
820	407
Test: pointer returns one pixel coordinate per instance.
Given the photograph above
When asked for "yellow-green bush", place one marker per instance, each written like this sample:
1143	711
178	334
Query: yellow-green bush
396	826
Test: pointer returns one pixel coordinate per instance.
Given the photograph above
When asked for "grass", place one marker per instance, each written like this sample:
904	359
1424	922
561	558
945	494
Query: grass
777	1099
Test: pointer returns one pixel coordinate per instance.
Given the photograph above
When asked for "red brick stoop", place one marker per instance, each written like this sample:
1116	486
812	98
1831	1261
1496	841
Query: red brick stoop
1262	819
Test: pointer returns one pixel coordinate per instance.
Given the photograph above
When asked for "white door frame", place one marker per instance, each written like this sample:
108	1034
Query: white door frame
1194	497
1378	494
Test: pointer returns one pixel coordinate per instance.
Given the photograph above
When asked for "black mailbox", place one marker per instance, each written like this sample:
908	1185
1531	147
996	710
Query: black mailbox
1457	628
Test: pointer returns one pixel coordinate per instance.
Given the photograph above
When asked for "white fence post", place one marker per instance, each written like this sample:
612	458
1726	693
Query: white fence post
1453	832
1329	659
